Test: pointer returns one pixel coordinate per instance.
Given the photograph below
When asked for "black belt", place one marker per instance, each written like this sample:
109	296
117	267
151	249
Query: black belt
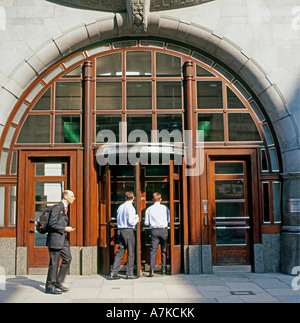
160	228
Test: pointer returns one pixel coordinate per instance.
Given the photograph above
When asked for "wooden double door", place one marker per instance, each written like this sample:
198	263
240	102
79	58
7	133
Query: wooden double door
143	181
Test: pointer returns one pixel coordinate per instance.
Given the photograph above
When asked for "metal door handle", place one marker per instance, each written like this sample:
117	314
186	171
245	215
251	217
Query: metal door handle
31	231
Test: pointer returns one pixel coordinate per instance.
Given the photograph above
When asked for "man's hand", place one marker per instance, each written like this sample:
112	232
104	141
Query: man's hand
68	229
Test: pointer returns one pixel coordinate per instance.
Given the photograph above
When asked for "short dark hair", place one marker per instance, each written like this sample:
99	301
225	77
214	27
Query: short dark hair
129	195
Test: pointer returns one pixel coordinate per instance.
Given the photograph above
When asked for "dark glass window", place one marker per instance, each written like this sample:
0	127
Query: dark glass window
169	95
139	95
109	65
36	129
266	202
143	123
109	96
108	122
68	96
44	102
169	123
242	127
209	95
138	64
167	65
200	71
233	102
212	126
67	128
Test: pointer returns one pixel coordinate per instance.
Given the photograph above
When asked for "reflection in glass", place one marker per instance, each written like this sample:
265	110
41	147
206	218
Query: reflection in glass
241	127
172	123
109	65
108	122
233	102
12	205
50	169
108	95
169	95
2	205
200	71
229	189
167	65
44	101
68	96
266	202
229	168
48	191
276	201
231	236
118	190
230	209
67	129
138	64
212	126
209	94
154	170
36	129
143	123
139	95
161	187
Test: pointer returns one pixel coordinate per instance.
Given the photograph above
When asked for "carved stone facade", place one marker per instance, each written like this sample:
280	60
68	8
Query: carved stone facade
138	10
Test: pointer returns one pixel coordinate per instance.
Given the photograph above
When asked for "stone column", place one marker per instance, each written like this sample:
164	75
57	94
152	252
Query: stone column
290	232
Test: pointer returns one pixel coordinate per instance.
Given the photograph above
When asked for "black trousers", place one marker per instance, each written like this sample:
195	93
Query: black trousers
126	239
54	276
158	236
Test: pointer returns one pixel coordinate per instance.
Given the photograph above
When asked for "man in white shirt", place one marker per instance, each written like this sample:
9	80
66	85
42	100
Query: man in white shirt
126	221
157	217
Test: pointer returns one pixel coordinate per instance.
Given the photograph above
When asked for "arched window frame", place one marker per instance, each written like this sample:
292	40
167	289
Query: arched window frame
270	163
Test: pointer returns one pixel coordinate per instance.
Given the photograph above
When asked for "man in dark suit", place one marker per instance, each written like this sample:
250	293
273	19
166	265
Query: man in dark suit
58	244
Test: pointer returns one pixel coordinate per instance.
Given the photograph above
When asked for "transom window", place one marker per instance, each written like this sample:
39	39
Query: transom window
137	85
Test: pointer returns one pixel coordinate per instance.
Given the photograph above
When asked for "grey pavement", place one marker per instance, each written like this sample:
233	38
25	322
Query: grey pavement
210	288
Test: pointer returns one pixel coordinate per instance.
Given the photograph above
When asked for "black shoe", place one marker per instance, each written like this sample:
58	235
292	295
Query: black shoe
132	277
53	291
163	272
61	287
114	277
151	274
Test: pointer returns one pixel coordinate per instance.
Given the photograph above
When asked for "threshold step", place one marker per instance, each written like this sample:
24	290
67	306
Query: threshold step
232	269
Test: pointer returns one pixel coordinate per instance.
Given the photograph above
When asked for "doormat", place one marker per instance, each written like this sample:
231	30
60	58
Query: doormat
241	292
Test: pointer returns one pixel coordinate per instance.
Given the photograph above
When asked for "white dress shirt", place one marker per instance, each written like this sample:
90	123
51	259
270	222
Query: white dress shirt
126	216
157	216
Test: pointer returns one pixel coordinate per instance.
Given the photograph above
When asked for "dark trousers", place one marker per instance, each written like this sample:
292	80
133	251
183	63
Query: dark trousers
126	239
54	276
158	236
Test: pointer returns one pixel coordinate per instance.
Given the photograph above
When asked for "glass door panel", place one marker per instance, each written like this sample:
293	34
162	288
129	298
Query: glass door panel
230	212
47	194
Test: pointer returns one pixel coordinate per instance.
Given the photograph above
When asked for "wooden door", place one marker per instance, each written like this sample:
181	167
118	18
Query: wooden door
47	179
230	216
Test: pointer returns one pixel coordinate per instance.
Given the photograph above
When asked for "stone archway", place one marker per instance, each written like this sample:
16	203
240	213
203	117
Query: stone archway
159	25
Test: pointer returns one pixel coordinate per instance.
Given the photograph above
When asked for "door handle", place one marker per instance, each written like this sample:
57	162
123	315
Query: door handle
31	231
31	221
